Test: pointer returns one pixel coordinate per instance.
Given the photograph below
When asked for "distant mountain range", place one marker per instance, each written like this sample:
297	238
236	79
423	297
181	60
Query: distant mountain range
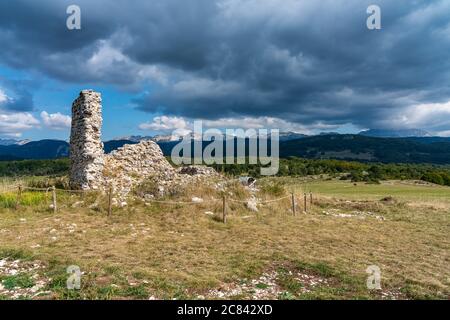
284	136
361	147
9	142
43	149
380	133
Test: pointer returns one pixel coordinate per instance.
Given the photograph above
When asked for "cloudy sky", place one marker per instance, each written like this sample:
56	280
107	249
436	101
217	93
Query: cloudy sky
299	65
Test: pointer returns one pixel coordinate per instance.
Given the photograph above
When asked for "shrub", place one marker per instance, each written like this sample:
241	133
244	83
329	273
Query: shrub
433	177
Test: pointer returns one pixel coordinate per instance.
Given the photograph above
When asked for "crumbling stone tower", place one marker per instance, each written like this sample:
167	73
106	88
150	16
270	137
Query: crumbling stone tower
86	147
123	168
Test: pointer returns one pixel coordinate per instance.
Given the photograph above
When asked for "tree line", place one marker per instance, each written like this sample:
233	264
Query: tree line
348	170
297	167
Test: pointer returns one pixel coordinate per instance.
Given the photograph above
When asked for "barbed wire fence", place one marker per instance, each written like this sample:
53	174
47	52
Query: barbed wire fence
55	201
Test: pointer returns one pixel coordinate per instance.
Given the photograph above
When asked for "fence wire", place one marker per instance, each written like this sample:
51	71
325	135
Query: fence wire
19	189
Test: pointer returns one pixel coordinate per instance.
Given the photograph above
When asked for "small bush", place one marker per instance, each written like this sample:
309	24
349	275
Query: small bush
21	280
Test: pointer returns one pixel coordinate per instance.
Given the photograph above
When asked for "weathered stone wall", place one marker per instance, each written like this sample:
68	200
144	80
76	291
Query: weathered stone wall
86	147
131	164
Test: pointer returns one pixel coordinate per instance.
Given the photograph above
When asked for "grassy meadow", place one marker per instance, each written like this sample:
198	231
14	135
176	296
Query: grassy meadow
149	250
410	191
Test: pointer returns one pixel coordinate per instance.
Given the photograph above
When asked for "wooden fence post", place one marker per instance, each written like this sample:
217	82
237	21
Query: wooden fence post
19	196
110	200
293	204
310	199
224	210
304	196
54	199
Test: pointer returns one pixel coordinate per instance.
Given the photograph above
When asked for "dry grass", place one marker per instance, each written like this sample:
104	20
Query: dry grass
176	251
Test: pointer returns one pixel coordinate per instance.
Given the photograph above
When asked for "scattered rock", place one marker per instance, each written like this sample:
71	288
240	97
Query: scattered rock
353	214
388	199
29	269
247	181
77	204
93	206
197	200
252	204
266	286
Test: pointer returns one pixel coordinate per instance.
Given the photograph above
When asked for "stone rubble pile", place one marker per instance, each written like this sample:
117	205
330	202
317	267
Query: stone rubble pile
130	165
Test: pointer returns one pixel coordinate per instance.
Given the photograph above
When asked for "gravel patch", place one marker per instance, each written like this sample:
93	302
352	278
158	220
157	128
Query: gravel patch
22	279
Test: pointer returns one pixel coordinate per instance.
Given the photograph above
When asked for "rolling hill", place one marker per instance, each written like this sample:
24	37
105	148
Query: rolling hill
43	149
363	148
433	150
395	133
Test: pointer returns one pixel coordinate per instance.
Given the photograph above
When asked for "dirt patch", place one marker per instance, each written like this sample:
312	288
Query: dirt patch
352	214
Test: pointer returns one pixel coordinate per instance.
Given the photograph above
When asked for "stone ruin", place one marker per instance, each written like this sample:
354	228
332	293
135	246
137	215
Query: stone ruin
86	147
124	168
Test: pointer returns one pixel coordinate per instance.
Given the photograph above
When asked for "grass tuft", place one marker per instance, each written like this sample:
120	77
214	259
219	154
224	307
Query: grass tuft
21	280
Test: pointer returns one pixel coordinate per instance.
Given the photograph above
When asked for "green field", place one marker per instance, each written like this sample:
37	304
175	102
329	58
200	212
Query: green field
404	190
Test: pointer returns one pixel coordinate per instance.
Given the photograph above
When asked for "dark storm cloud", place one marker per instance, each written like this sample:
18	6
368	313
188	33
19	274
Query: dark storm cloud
303	61
24	102
16	95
